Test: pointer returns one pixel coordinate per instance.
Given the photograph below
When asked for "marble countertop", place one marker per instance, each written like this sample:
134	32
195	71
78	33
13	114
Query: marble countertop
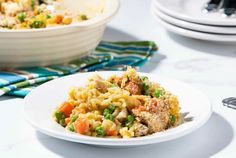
208	66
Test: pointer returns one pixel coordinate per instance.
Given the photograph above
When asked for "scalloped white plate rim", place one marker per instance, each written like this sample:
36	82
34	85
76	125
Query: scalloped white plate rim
40	102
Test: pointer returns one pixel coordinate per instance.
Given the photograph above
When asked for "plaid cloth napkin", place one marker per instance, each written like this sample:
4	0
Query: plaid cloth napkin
107	56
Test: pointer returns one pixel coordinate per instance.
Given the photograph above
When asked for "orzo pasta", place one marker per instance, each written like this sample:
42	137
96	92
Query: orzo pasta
121	106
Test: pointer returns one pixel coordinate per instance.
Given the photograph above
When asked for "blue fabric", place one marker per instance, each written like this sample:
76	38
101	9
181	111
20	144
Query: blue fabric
107	56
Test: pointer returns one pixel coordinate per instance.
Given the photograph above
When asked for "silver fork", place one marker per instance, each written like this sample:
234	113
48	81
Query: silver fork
230	102
226	7
185	117
213	5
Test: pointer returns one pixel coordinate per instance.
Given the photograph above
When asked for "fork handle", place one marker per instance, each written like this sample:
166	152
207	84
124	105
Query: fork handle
229	7
212	5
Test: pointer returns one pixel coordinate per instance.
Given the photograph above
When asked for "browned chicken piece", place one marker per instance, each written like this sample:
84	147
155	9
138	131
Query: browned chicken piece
118	81
156	122
156	105
101	86
140	129
131	83
133	88
155	115
122	115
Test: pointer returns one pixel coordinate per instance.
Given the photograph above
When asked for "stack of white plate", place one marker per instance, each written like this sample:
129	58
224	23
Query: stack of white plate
186	17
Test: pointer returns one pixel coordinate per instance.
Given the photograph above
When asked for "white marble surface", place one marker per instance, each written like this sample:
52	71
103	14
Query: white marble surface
208	66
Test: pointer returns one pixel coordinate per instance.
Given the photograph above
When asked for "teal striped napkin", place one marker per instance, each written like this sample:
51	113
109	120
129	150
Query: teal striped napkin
107	56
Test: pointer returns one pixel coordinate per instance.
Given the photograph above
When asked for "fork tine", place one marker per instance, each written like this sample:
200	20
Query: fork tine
229	102
185	118
188	119
184	114
212	5
226	100
231	106
229	7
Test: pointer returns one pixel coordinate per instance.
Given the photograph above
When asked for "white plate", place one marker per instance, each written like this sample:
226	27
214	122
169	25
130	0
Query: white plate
191	10
194	34
41	102
194	26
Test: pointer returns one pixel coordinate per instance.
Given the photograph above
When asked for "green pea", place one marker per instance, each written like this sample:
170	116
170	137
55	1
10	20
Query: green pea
59	115
128	124
21	16
129	121
84	17
37	24
74	118
158	93
130	118
106	111
172	119
70	127
144	78
146	88
100	131
109	117
33	4
62	122
48	16
111	108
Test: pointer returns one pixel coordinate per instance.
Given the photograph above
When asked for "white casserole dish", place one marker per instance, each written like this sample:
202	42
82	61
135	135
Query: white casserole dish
54	45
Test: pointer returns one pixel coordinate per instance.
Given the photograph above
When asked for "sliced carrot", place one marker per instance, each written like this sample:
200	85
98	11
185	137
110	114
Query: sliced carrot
66	109
67	120
58	19
111	133
81	126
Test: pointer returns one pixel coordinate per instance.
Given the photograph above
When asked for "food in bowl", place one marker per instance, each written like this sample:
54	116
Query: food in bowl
33	14
121	106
